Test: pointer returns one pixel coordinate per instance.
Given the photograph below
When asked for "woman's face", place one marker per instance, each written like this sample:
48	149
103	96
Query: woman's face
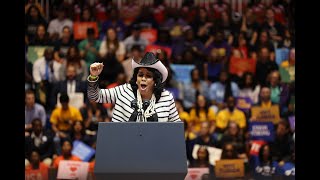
145	82
111	34
195	75
86	15
266	152
77	126
41	31
72	52
229	150
274	78
248	80
233	129
202	153
33	12
66	147
201	101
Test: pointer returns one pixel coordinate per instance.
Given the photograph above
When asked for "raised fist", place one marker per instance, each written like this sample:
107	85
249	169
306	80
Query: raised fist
96	68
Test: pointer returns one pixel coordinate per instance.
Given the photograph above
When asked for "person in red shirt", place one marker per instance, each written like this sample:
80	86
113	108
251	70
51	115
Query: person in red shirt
65	153
36	169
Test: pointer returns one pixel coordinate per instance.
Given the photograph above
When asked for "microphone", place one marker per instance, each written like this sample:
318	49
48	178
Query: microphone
134	104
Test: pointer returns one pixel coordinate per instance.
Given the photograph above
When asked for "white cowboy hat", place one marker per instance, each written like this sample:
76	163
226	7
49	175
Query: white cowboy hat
149	60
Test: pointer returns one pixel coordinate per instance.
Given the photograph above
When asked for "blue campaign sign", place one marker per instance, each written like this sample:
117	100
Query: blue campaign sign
261	131
281	55
82	150
182	72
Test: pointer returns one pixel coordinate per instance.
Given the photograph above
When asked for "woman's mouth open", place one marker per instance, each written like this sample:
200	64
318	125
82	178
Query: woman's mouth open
143	87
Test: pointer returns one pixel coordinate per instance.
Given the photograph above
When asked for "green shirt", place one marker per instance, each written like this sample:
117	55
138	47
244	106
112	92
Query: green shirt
90	57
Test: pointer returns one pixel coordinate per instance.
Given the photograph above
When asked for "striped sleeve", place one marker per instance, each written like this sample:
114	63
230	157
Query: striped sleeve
173	113
100	95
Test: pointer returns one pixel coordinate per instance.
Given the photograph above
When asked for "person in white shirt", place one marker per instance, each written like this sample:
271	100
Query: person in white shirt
56	25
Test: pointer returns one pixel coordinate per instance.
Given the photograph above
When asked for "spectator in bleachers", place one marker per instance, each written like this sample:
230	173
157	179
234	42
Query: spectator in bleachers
220	90
275	29
184	116
213	66
264	65
249	87
219	7
114	22
70	85
45	72
206	138
224	49
136	54
33	19
63	117
203	159
264	167
129	12
280	93
164	38
73	58
89	47
279	11
36	164
174	23
28	81
33	110
66	154
61	46
258	10
78	132
135	38
57	25
201	113
230	113
260	41
190	90
234	135
92	114
87	15
41	141
228	27
146	19
112	45
41	37
249	25
201	25
291	60
229	152
187	42
288	40
283	145
112	67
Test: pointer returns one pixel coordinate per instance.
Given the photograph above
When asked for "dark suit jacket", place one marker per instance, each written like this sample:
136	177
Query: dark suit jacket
61	87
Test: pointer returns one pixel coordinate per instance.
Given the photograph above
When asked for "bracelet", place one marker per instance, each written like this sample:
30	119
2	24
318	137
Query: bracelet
93	77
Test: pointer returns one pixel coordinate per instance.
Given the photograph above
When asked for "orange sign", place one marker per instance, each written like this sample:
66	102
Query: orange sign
80	29
261	114
150	34
229	168
239	65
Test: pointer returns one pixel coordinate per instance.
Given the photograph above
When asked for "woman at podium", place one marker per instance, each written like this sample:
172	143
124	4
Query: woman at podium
143	99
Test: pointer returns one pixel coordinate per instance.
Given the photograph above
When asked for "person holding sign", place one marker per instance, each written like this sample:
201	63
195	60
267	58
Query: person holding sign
143	98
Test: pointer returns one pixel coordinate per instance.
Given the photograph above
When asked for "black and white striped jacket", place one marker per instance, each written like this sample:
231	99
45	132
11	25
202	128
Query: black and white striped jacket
122	96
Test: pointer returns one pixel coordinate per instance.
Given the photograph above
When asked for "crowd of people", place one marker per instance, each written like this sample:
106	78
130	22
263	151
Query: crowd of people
242	61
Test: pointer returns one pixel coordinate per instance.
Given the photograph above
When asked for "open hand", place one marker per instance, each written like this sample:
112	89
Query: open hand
96	68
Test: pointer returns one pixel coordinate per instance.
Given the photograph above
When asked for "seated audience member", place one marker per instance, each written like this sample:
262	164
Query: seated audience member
57	25
201	113
65	153
190	89
41	37
230	113
229	152
63	117
41	141
202	160
33	110
136	53
36	164
283	145
222	89
249	87
264	167
78	132
69	86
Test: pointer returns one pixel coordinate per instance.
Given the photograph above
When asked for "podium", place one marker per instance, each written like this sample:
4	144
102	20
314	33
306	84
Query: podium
140	151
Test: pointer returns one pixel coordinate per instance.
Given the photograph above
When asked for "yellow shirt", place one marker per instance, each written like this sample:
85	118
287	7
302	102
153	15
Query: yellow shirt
61	117
266	105
202	117
184	116
224	116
